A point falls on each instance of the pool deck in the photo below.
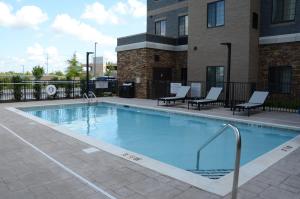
(39, 162)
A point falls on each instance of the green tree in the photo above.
(17, 87)
(38, 73)
(110, 67)
(58, 73)
(74, 69)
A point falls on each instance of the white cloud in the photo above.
(115, 14)
(110, 56)
(37, 55)
(64, 24)
(98, 12)
(26, 17)
(137, 8)
(120, 8)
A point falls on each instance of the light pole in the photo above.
(87, 71)
(229, 45)
(95, 58)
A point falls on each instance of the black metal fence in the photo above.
(36, 90)
(281, 98)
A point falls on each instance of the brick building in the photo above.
(183, 43)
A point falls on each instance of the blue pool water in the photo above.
(170, 138)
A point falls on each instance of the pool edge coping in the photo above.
(220, 187)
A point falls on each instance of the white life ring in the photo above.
(51, 90)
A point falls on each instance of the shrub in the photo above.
(17, 87)
(38, 73)
(68, 87)
(37, 91)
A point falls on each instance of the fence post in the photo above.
(24, 91)
(73, 88)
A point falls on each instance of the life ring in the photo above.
(51, 90)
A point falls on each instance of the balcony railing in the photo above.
(145, 37)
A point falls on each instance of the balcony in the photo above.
(152, 41)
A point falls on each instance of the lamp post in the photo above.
(229, 45)
(95, 58)
(87, 71)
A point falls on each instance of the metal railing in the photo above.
(285, 98)
(237, 155)
(37, 90)
(90, 96)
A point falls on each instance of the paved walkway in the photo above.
(27, 173)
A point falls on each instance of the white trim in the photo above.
(280, 39)
(147, 44)
(67, 169)
(220, 187)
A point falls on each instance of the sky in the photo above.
(32, 29)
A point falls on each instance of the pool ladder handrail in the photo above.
(89, 99)
(237, 155)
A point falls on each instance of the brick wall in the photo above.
(139, 63)
(286, 54)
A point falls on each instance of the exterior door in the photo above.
(161, 82)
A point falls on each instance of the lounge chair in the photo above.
(180, 96)
(257, 100)
(211, 97)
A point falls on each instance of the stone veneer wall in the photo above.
(285, 54)
(140, 62)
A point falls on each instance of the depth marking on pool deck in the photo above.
(84, 180)
(90, 150)
(131, 157)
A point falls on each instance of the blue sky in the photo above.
(32, 29)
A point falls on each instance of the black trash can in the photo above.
(127, 90)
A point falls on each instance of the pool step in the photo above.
(212, 173)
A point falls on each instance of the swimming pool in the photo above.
(167, 137)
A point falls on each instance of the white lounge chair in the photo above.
(180, 96)
(211, 97)
(257, 100)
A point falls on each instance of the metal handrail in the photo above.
(93, 94)
(237, 155)
(85, 96)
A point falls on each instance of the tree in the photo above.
(38, 72)
(58, 73)
(110, 67)
(17, 87)
(74, 69)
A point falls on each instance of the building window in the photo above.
(215, 76)
(183, 25)
(160, 27)
(280, 79)
(255, 20)
(215, 14)
(283, 11)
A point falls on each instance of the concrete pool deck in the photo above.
(25, 172)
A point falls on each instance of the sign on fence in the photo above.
(101, 84)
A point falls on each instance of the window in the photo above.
(215, 76)
(183, 23)
(254, 20)
(280, 79)
(283, 11)
(160, 27)
(216, 14)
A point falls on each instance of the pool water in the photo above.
(170, 138)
